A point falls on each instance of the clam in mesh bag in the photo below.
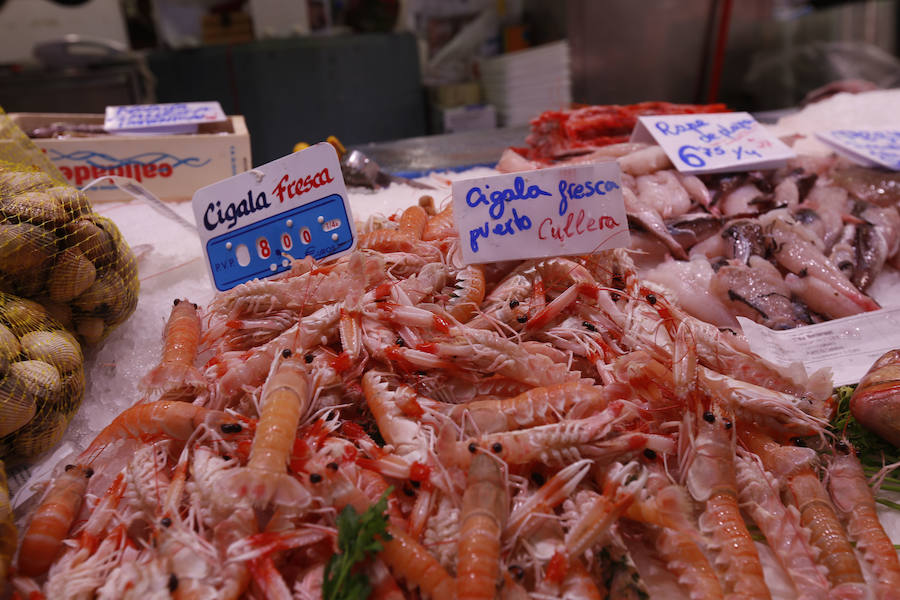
(66, 277)
(42, 378)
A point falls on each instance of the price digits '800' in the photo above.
(264, 248)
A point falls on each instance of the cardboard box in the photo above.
(171, 166)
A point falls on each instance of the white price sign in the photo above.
(713, 143)
(547, 212)
(173, 118)
(869, 147)
(252, 225)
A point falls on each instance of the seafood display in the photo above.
(783, 247)
(552, 428)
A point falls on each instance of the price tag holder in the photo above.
(713, 143)
(159, 119)
(546, 212)
(252, 224)
(868, 147)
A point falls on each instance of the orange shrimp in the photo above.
(684, 557)
(484, 512)
(558, 443)
(853, 498)
(285, 399)
(175, 374)
(525, 516)
(413, 222)
(441, 225)
(52, 520)
(384, 586)
(578, 583)
(666, 511)
(599, 512)
(468, 292)
(398, 411)
(537, 406)
(759, 496)
(393, 240)
(409, 561)
(711, 478)
(240, 524)
(708, 470)
(351, 335)
(162, 419)
(794, 467)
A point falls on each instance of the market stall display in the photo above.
(384, 344)
(455, 409)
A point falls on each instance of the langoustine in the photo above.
(404, 399)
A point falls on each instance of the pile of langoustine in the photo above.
(783, 247)
(550, 428)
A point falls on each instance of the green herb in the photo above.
(873, 452)
(359, 537)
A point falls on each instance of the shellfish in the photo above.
(72, 275)
(56, 347)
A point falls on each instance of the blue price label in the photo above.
(265, 248)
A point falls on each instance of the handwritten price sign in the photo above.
(177, 117)
(869, 147)
(713, 143)
(548, 212)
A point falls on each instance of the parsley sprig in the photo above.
(359, 537)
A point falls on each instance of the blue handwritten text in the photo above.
(512, 226)
(577, 191)
(499, 198)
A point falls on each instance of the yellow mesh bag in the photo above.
(55, 249)
(42, 380)
(67, 278)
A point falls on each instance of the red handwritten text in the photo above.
(576, 224)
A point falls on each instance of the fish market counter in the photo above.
(537, 340)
